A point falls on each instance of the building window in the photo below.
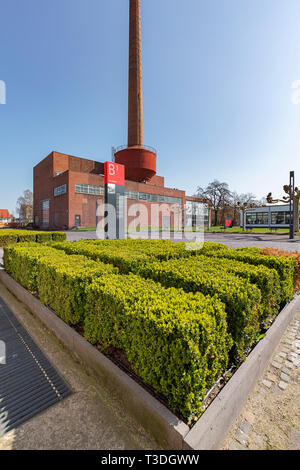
(132, 194)
(60, 190)
(89, 189)
(196, 213)
(159, 198)
(257, 218)
(280, 218)
(45, 212)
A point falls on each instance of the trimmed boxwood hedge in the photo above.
(124, 259)
(8, 237)
(177, 342)
(174, 318)
(267, 280)
(20, 262)
(59, 279)
(284, 266)
(129, 254)
(198, 274)
(160, 249)
(12, 236)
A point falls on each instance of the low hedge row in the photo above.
(284, 266)
(160, 249)
(266, 279)
(9, 236)
(242, 299)
(125, 260)
(129, 254)
(59, 279)
(177, 342)
(20, 262)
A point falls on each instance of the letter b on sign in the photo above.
(111, 169)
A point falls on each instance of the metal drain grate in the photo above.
(29, 384)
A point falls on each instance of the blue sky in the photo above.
(217, 83)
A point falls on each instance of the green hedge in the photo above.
(160, 249)
(12, 236)
(7, 237)
(58, 236)
(20, 262)
(129, 254)
(266, 279)
(25, 236)
(125, 259)
(177, 342)
(200, 274)
(59, 279)
(284, 266)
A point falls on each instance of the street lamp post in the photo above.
(292, 201)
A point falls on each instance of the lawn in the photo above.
(220, 229)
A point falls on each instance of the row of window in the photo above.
(278, 218)
(262, 218)
(158, 198)
(89, 189)
(259, 218)
(194, 208)
(99, 191)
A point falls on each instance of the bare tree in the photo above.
(24, 207)
(218, 194)
(238, 201)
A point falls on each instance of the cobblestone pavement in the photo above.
(270, 418)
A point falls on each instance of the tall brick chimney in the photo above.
(135, 88)
(139, 161)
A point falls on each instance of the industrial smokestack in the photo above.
(135, 92)
(139, 161)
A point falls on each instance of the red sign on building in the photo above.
(114, 173)
(228, 223)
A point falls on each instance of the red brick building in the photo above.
(5, 216)
(67, 191)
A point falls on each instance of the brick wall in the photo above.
(64, 208)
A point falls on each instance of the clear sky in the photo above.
(217, 83)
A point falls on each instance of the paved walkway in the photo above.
(230, 239)
(270, 418)
(89, 419)
(261, 240)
